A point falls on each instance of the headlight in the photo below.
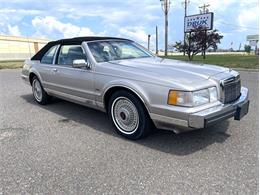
(191, 99)
(200, 97)
(213, 95)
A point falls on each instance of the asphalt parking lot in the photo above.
(64, 148)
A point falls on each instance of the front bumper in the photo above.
(207, 117)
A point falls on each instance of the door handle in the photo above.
(54, 70)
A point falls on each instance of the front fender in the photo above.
(130, 85)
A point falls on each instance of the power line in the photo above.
(234, 25)
(244, 27)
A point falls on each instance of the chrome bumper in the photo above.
(211, 116)
(25, 79)
(207, 117)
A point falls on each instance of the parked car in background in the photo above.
(136, 88)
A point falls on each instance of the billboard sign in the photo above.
(253, 43)
(200, 20)
(252, 37)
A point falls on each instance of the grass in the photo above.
(11, 64)
(232, 61)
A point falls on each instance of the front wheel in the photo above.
(129, 115)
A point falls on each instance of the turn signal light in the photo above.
(172, 98)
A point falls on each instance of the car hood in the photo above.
(172, 70)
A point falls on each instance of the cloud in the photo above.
(137, 33)
(20, 12)
(249, 18)
(47, 26)
(250, 3)
(134, 19)
(13, 30)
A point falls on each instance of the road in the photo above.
(64, 148)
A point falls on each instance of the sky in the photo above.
(134, 19)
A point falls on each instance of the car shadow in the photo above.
(162, 140)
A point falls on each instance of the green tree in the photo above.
(247, 49)
(198, 41)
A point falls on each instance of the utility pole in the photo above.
(203, 10)
(149, 36)
(156, 43)
(165, 7)
(185, 3)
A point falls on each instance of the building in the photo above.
(19, 48)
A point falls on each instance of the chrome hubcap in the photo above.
(37, 90)
(125, 115)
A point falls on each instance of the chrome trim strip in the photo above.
(169, 120)
(69, 67)
(25, 79)
(82, 101)
(225, 115)
(55, 54)
(68, 88)
(65, 95)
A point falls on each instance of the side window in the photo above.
(68, 53)
(49, 55)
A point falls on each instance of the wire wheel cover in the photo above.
(125, 115)
(37, 90)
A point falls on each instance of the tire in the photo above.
(128, 115)
(39, 93)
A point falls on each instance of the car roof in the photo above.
(71, 41)
(82, 39)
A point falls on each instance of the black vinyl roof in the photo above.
(79, 40)
(71, 41)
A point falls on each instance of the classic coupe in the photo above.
(136, 88)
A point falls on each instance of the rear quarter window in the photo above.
(49, 55)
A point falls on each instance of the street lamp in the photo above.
(149, 36)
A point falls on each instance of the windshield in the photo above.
(104, 51)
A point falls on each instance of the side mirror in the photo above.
(80, 63)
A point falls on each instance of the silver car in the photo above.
(136, 88)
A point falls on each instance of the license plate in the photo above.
(242, 110)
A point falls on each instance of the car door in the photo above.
(69, 82)
(45, 67)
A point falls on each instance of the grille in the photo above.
(231, 90)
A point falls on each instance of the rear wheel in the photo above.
(129, 115)
(39, 93)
